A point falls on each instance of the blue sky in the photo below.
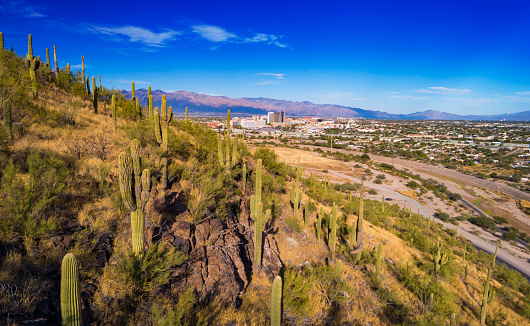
(465, 57)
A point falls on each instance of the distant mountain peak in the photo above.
(214, 104)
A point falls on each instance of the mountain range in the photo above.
(202, 104)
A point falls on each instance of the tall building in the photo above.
(275, 119)
(281, 117)
(270, 117)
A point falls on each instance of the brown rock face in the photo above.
(220, 255)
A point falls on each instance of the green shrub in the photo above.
(442, 216)
(26, 199)
(412, 184)
(500, 219)
(509, 236)
(483, 222)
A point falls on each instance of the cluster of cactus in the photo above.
(489, 294)
(70, 299)
(135, 193)
(357, 232)
(276, 302)
(439, 259)
(296, 193)
(33, 65)
(333, 231)
(162, 120)
(378, 262)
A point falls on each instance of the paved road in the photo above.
(521, 265)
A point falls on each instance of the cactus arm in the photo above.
(125, 179)
(114, 111)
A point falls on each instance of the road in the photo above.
(503, 256)
(443, 172)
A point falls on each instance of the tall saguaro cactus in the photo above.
(260, 220)
(83, 69)
(114, 109)
(378, 262)
(186, 115)
(162, 120)
(244, 177)
(489, 294)
(133, 91)
(94, 95)
(338, 270)
(220, 154)
(439, 259)
(358, 230)
(319, 223)
(333, 235)
(48, 63)
(296, 193)
(135, 193)
(276, 302)
(70, 299)
(1, 41)
(55, 59)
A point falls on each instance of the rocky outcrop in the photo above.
(220, 254)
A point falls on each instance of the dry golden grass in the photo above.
(309, 159)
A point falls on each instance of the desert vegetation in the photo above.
(119, 214)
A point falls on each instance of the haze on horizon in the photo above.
(463, 57)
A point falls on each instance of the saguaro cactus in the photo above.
(138, 108)
(34, 64)
(135, 193)
(357, 233)
(452, 320)
(68, 70)
(114, 109)
(319, 223)
(83, 69)
(244, 177)
(70, 299)
(227, 150)
(465, 262)
(220, 154)
(333, 235)
(378, 262)
(48, 63)
(55, 59)
(276, 302)
(260, 220)
(162, 120)
(30, 48)
(1, 41)
(338, 270)
(94, 95)
(296, 193)
(186, 114)
(133, 93)
(100, 88)
(234, 151)
(439, 259)
(489, 294)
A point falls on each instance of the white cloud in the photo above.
(139, 34)
(22, 8)
(474, 102)
(269, 81)
(218, 35)
(523, 93)
(278, 76)
(265, 38)
(213, 33)
(79, 66)
(444, 90)
(408, 97)
(340, 96)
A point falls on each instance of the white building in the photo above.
(270, 117)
